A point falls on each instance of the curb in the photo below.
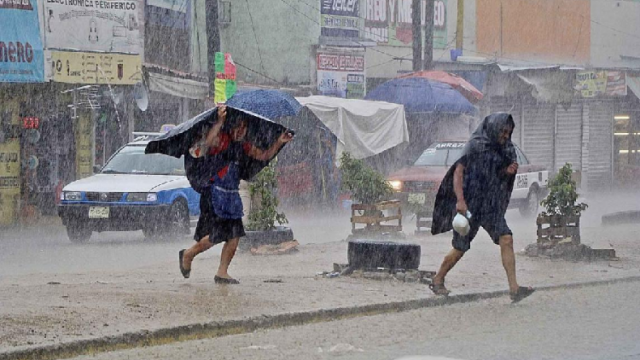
(234, 327)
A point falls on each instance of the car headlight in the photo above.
(396, 185)
(142, 197)
(72, 195)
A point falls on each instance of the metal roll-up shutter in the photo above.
(501, 104)
(538, 134)
(600, 144)
(568, 147)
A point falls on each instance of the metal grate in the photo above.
(104, 197)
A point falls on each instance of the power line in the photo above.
(255, 36)
(257, 72)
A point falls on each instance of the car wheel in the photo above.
(530, 207)
(78, 234)
(370, 254)
(176, 223)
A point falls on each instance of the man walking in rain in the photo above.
(480, 183)
(218, 180)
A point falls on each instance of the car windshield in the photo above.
(133, 160)
(440, 154)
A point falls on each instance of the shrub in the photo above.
(562, 195)
(366, 185)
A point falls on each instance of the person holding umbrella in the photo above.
(219, 155)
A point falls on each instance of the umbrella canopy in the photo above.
(271, 104)
(261, 132)
(463, 86)
(420, 95)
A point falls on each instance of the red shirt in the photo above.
(224, 141)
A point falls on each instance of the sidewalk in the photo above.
(37, 311)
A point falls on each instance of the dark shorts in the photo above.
(495, 228)
(218, 229)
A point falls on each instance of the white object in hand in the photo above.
(461, 223)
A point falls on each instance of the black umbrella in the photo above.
(261, 132)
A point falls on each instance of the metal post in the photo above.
(417, 35)
(460, 25)
(213, 40)
(428, 35)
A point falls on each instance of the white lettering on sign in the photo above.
(376, 10)
(439, 14)
(344, 5)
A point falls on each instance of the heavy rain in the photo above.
(317, 179)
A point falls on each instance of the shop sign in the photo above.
(601, 83)
(112, 26)
(341, 75)
(9, 163)
(30, 122)
(93, 68)
(340, 18)
(21, 58)
(84, 163)
(389, 22)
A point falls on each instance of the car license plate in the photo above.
(98, 212)
(417, 198)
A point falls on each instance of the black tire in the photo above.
(532, 204)
(371, 254)
(78, 234)
(177, 224)
(269, 237)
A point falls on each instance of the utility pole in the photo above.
(213, 40)
(460, 26)
(428, 35)
(417, 35)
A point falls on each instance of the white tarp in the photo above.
(175, 86)
(364, 128)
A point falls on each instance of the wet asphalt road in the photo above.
(589, 323)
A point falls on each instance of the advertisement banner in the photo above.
(10, 129)
(601, 83)
(225, 82)
(340, 18)
(389, 22)
(21, 55)
(113, 26)
(93, 68)
(341, 75)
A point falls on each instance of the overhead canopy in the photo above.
(364, 128)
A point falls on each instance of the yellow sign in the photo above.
(84, 165)
(9, 165)
(93, 68)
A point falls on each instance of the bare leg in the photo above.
(228, 251)
(201, 246)
(509, 261)
(449, 262)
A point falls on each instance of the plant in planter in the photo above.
(562, 211)
(372, 192)
(263, 213)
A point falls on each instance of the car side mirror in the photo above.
(97, 169)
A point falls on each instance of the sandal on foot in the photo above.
(522, 293)
(185, 272)
(220, 280)
(439, 289)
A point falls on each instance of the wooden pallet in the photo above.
(373, 217)
(554, 229)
